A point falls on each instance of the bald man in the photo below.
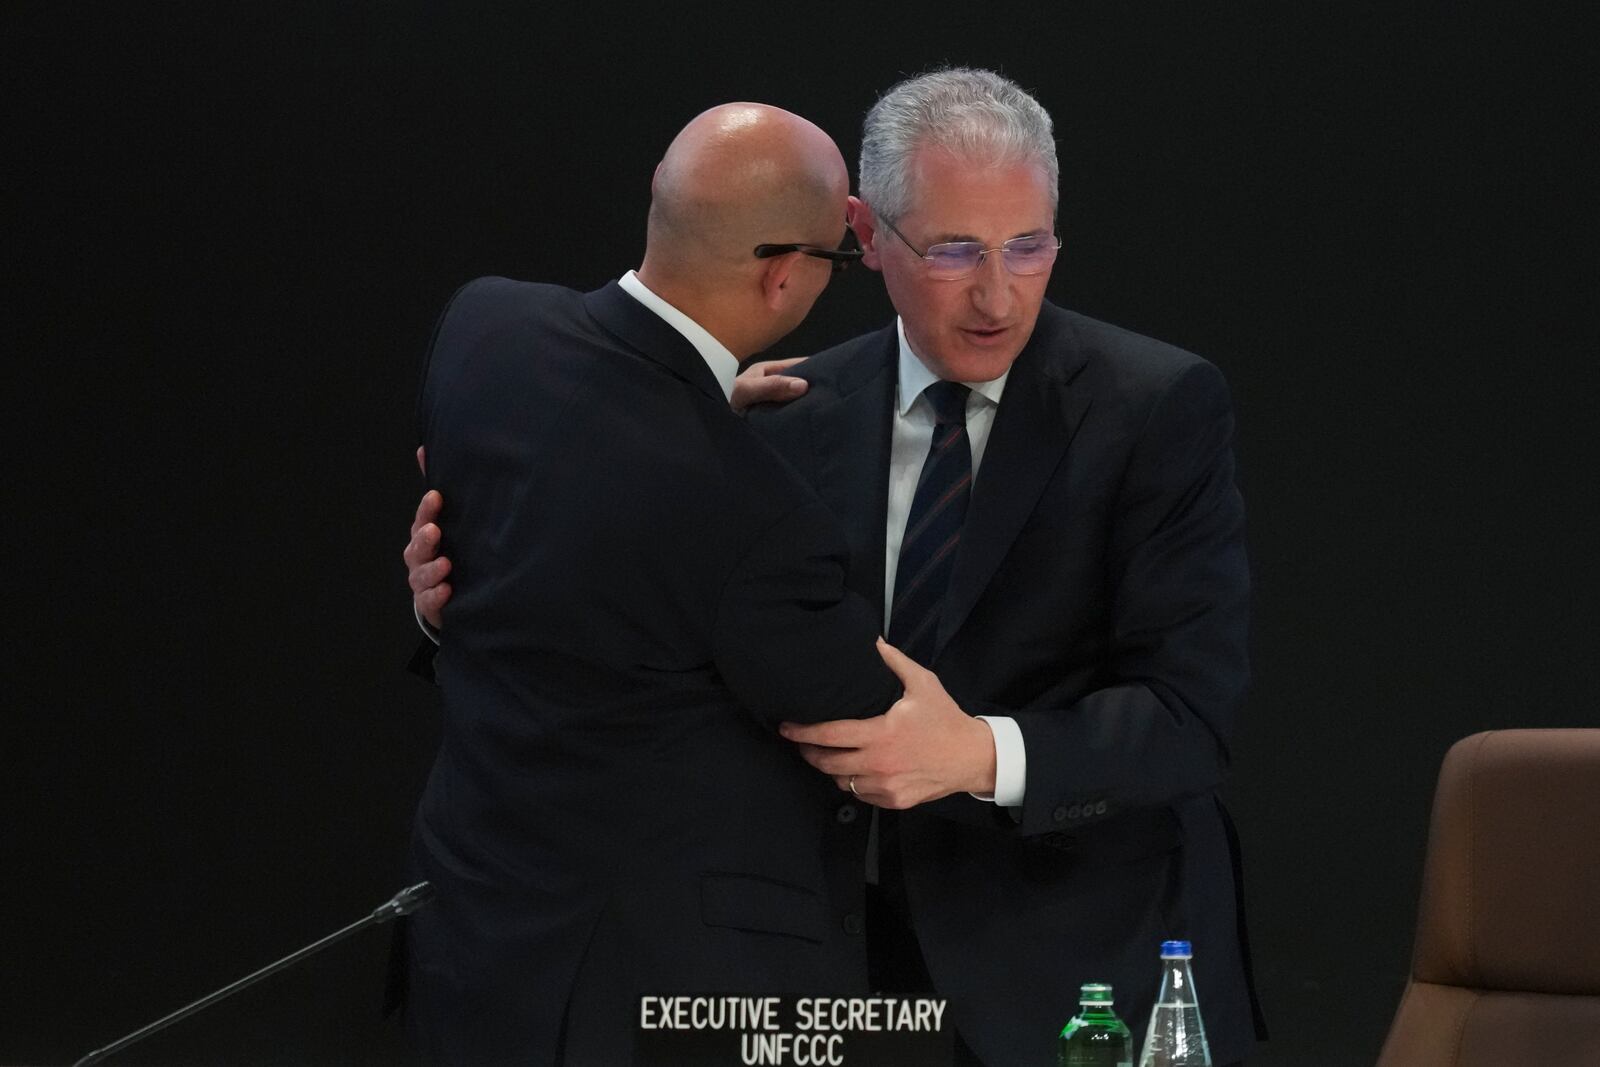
(642, 590)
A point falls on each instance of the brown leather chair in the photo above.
(1506, 965)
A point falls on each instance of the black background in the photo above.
(231, 228)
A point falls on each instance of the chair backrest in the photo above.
(1506, 965)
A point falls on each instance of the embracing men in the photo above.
(1039, 508)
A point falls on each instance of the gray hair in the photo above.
(976, 114)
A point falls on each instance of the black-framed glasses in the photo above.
(954, 260)
(839, 257)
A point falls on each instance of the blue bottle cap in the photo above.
(1176, 950)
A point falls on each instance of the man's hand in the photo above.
(765, 383)
(921, 749)
(426, 569)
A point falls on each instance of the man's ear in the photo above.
(860, 219)
(775, 279)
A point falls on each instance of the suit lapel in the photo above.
(852, 438)
(1038, 415)
(650, 335)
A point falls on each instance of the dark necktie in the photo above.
(933, 526)
(927, 556)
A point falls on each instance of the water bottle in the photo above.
(1095, 1037)
(1176, 1036)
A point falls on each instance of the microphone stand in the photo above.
(403, 903)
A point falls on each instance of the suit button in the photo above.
(852, 923)
(1060, 814)
(1100, 808)
(846, 814)
(1074, 812)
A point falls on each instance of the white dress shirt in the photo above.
(912, 436)
(714, 352)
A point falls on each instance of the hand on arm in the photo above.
(426, 570)
(765, 383)
(923, 748)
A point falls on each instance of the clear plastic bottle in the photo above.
(1095, 1037)
(1176, 1036)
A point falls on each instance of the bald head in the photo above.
(737, 176)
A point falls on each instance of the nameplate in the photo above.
(715, 1030)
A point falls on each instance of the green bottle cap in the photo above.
(1095, 993)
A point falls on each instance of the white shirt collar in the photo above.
(722, 362)
(915, 377)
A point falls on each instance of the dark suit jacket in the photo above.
(1099, 599)
(642, 591)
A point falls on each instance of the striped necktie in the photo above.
(933, 527)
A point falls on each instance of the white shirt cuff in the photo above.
(1010, 762)
(433, 635)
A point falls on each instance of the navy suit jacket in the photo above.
(1100, 599)
(642, 591)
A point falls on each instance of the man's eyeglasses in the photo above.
(958, 259)
(839, 257)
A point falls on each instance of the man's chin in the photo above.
(980, 362)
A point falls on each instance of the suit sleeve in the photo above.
(427, 649)
(790, 642)
(1158, 727)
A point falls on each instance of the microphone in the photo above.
(403, 903)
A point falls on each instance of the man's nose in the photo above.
(992, 293)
